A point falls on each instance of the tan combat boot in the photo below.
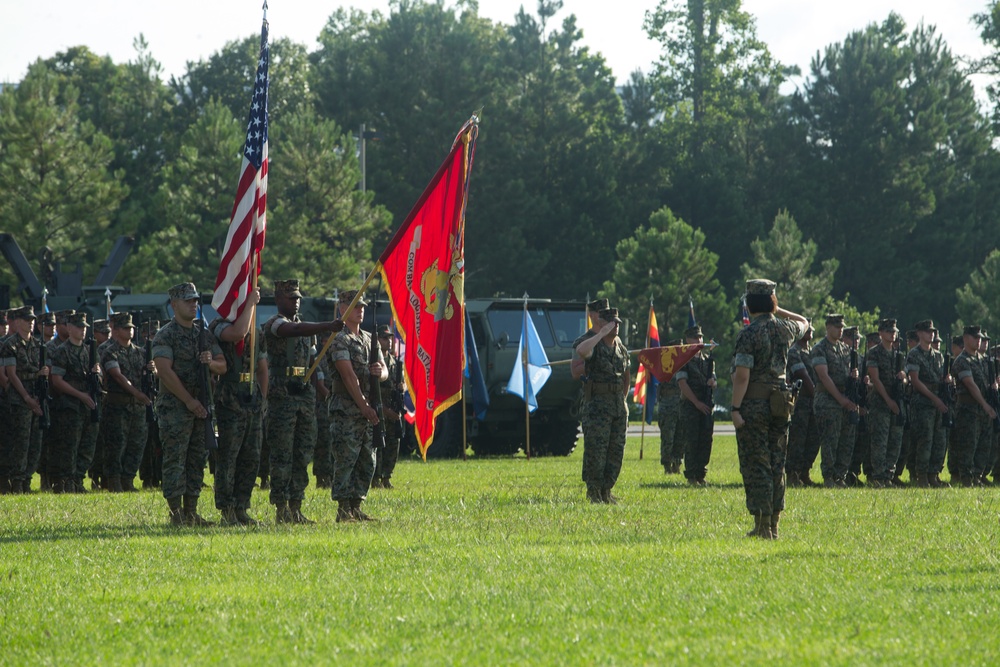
(229, 517)
(594, 495)
(774, 525)
(344, 514)
(176, 513)
(608, 498)
(282, 514)
(358, 514)
(191, 516)
(244, 518)
(295, 508)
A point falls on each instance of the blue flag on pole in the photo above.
(480, 396)
(529, 350)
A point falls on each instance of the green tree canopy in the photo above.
(978, 300)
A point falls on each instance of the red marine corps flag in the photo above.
(664, 362)
(423, 270)
(241, 255)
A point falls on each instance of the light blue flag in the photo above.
(538, 370)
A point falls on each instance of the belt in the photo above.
(821, 388)
(27, 377)
(599, 388)
(967, 399)
(340, 389)
(670, 391)
(294, 371)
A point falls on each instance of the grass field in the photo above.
(501, 561)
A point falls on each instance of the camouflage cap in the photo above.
(22, 313)
(675, 341)
(121, 320)
(149, 328)
(887, 324)
(101, 326)
(77, 319)
(183, 291)
(598, 305)
(984, 335)
(610, 315)
(761, 286)
(3, 317)
(346, 296)
(957, 340)
(872, 336)
(288, 287)
(62, 316)
(693, 332)
(924, 325)
(835, 318)
(48, 319)
(911, 335)
(973, 330)
(851, 332)
(383, 331)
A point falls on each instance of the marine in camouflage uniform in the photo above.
(181, 350)
(102, 336)
(925, 367)
(239, 404)
(803, 438)
(123, 421)
(46, 441)
(385, 458)
(696, 382)
(291, 416)
(151, 468)
(970, 439)
(604, 414)
(351, 415)
(762, 403)
(885, 432)
(75, 431)
(831, 360)
(20, 356)
(668, 412)
(322, 453)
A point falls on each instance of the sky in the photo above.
(189, 30)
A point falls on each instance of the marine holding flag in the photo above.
(605, 371)
(762, 403)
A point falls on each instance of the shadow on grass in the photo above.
(683, 486)
(118, 531)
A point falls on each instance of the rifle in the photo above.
(149, 387)
(863, 390)
(709, 391)
(375, 391)
(992, 393)
(396, 398)
(946, 392)
(94, 383)
(204, 379)
(851, 386)
(898, 394)
(42, 390)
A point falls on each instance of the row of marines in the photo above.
(901, 404)
(188, 374)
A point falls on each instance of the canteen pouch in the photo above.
(296, 386)
(781, 403)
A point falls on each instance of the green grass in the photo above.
(501, 561)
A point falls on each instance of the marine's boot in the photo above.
(607, 497)
(922, 481)
(762, 527)
(967, 481)
(344, 514)
(244, 518)
(295, 508)
(774, 525)
(228, 517)
(115, 485)
(191, 516)
(594, 494)
(4, 486)
(264, 483)
(376, 482)
(805, 479)
(322, 482)
(358, 514)
(282, 513)
(937, 483)
(675, 466)
(792, 479)
(176, 513)
(128, 486)
(386, 484)
(17, 486)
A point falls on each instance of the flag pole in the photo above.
(524, 375)
(253, 313)
(350, 307)
(645, 376)
(465, 429)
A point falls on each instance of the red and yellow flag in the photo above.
(423, 270)
(642, 381)
(664, 362)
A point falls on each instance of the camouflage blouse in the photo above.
(762, 346)
(355, 348)
(24, 356)
(929, 366)
(230, 386)
(974, 366)
(129, 361)
(285, 354)
(182, 346)
(608, 363)
(885, 361)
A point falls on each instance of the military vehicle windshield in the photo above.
(556, 326)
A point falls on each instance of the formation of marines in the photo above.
(81, 399)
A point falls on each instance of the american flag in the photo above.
(247, 225)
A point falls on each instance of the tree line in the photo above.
(869, 186)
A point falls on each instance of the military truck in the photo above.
(496, 328)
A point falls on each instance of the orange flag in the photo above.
(423, 269)
(664, 362)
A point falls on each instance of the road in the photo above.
(653, 431)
